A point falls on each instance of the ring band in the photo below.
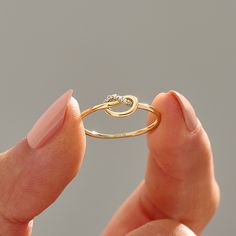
(132, 102)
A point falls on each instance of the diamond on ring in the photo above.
(116, 97)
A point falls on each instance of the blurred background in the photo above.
(128, 47)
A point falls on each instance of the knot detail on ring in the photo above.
(115, 99)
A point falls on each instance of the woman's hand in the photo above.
(179, 192)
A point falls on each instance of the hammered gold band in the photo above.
(132, 102)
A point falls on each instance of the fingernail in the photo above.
(189, 114)
(50, 122)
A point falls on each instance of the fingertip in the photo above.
(172, 124)
(178, 118)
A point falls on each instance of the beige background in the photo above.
(129, 47)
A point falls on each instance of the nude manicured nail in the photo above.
(50, 122)
(190, 117)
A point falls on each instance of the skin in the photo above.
(178, 196)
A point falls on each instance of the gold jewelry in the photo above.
(130, 101)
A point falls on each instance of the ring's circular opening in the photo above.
(136, 132)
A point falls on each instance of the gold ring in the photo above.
(133, 104)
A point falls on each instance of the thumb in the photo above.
(162, 228)
(35, 172)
